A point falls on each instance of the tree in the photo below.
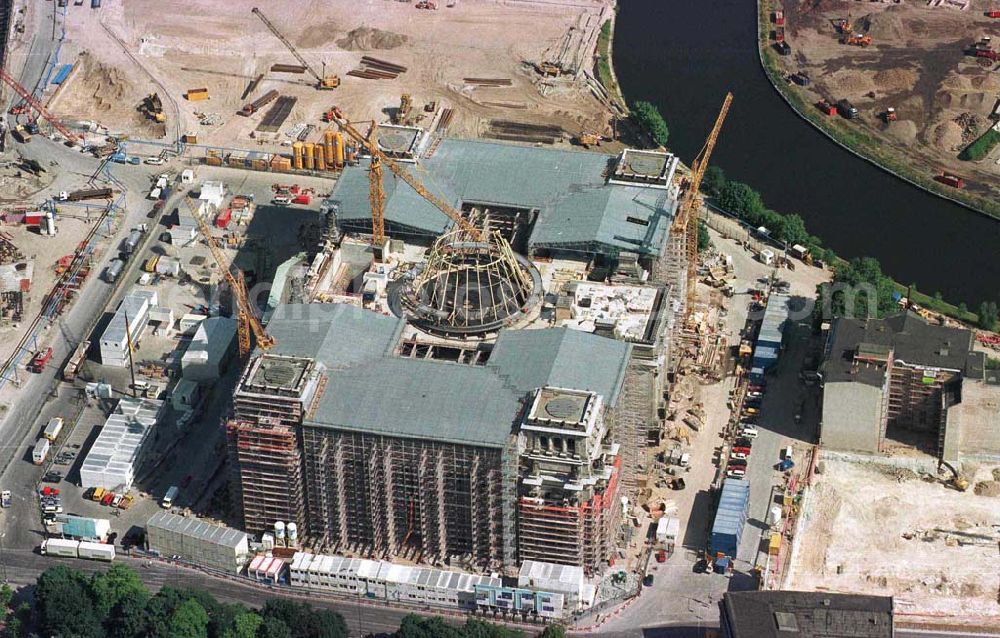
(64, 605)
(713, 181)
(414, 626)
(704, 239)
(6, 596)
(988, 315)
(109, 588)
(794, 231)
(189, 620)
(475, 628)
(274, 628)
(127, 618)
(740, 199)
(245, 625)
(553, 631)
(648, 117)
(859, 280)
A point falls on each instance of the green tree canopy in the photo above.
(553, 631)
(64, 604)
(648, 117)
(740, 199)
(189, 620)
(713, 181)
(988, 315)
(111, 587)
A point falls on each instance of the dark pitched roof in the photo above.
(793, 614)
(911, 339)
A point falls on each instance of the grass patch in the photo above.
(981, 147)
(604, 74)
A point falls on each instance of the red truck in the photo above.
(304, 198)
(40, 360)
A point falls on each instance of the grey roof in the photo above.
(422, 399)
(773, 614)
(563, 358)
(912, 340)
(568, 188)
(338, 335)
(197, 529)
(369, 389)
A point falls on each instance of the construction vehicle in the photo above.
(21, 134)
(587, 140)
(548, 69)
(956, 480)
(34, 104)
(323, 82)
(247, 316)
(888, 115)
(844, 25)
(426, 4)
(40, 360)
(993, 13)
(328, 115)
(857, 39)
(152, 106)
(405, 106)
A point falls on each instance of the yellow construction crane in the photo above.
(322, 81)
(247, 320)
(687, 218)
(375, 152)
(376, 195)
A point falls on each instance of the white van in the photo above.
(168, 498)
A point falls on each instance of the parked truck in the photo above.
(40, 360)
(77, 549)
(87, 193)
(40, 451)
(730, 518)
(113, 270)
(53, 428)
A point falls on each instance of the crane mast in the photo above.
(246, 316)
(687, 219)
(376, 194)
(37, 106)
(322, 81)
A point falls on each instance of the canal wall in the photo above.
(763, 39)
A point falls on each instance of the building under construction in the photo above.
(489, 454)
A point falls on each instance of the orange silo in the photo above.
(309, 162)
(338, 149)
(297, 155)
(328, 147)
(320, 159)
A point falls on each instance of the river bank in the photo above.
(852, 140)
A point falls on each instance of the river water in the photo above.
(683, 55)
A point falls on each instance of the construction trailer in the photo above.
(198, 541)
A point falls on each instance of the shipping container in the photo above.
(196, 95)
(223, 218)
(60, 547)
(96, 551)
(730, 518)
(40, 451)
(53, 428)
(95, 4)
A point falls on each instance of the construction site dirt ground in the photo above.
(872, 529)
(220, 45)
(915, 64)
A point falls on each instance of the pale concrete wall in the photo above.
(851, 417)
(975, 422)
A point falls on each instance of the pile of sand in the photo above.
(851, 82)
(903, 131)
(891, 80)
(987, 488)
(947, 136)
(886, 25)
(368, 39)
(106, 86)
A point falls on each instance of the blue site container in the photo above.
(95, 4)
(722, 565)
(61, 74)
(730, 517)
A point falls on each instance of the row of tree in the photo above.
(742, 200)
(116, 604)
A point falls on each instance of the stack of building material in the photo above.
(375, 69)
